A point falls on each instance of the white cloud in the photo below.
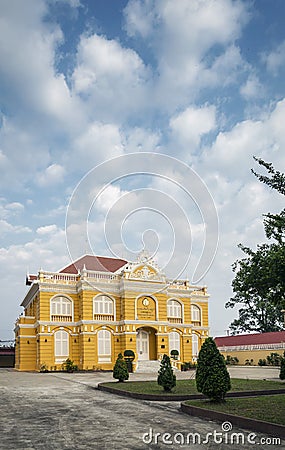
(109, 196)
(275, 60)
(139, 139)
(53, 175)
(6, 227)
(252, 88)
(97, 142)
(109, 76)
(47, 229)
(181, 38)
(189, 126)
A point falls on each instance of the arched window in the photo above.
(195, 346)
(195, 313)
(103, 308)
(61, 345)
(104, 346)
(174, 341)
(174, 311)
(61, 309)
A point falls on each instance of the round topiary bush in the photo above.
(174, 354)
(129, 354)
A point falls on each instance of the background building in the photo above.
(98, 307)
(250, 348)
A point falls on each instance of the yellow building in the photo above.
(98, 307)
(250, 348)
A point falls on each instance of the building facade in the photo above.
(250, 348)
(98, 307)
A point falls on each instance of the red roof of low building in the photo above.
(94, 263)
(273, 337)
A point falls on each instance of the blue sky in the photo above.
(82, 82)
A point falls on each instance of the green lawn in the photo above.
(186, 387)
(269, 408)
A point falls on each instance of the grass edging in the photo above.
(178, 397)
(240, 421)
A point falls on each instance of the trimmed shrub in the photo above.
(262, 362)
(274, 359)
(166, 377)
(231, 360)
(120, 371)
(212, 377)
(129, 354)
(174, 354)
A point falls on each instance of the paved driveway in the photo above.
(63, 411)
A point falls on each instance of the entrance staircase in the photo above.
(148, 366)
(151, 366)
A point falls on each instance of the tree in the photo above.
(166, 377)
(258, 288)
(274, 224)
(120, 371)
(259, 283)
(212, 377)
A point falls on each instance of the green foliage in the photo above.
(166, 377)
(120, 371)
(129, 354)
(69, 366)
(273, 359)
(231, 360)
(248, 362)
(44, 367)
(282, 368)
(212, 377)
(174, 354)
(259, 283)
(262, 362)
(187, 366)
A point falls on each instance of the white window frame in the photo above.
(195, 345)
(174, 341)
(104, 304)
(61, 346)
(174, 308)
(196, 313)
(61, 305)
(104, 346)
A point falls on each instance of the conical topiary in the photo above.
(212, 377)
(120, 371)
(166, 377)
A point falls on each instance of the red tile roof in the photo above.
(95, 263)
(251, 339)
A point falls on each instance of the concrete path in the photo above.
(62, 411)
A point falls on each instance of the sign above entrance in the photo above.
(146, 308)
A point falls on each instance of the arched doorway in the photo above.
(143, 345)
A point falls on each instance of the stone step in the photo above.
(149, 366)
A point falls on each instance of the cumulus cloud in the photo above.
(110, 77)
(181, 39)
(190, 125)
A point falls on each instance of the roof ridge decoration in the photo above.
(145, 268)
